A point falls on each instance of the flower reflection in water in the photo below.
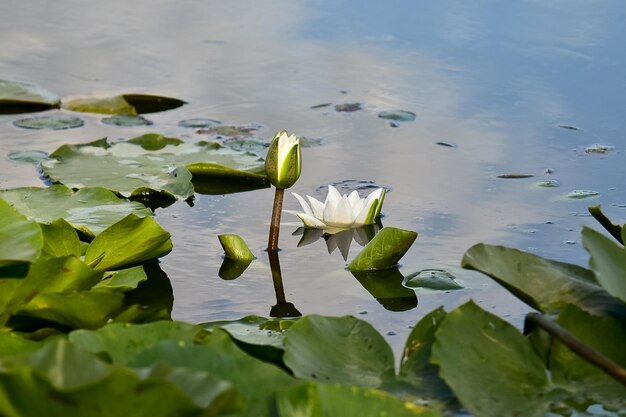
(342, 240)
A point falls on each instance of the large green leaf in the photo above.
(122, 342)
(338, 349)
(490, 365)
(124, 104)
(61, 380)
(384, 250)
(21, 239)
(135, 168)
(130, 241)
(608, 261)
(604, 334)
(331, 400)
(20, 97)
(89, 210)
(256, 381)
(415, 366)
(59, 240)
(542, 283)
(123, 280)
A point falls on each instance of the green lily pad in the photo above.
(415, 365)
(62, 380)
(604, 334)
(28, 157)
(608, 262)
(199, 123)
(218, 179)
(90, 210)
(130, 241)
(491, 367)
(434, 279)
(20, 97)
(235, 247)
(123, 280)
(54, 122)
(330, 400)
(397, 115)
(123, 104)
(152, 165)
(248, 144)
(60, 239)
(543, 284)
(386, 287)
(338, 349)
(21, 239)
(384, 250)
(126, 121)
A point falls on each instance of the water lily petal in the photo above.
(316, 206)
(305, 206)
(310, 221)
(339, 215)
(354, 198)
(367, 214)
(381, 198)
(333, 195)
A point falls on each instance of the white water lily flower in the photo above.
(283, 162)
(340, 212)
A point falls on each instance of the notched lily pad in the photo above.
(199, 123)
(54, 122)
(126, 121)
(433, 279)
(20, 97)
(397, 115)
(28, 157)
(153, 165)
(348, 107)
(123, 104)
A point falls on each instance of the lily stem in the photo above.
(272, 244)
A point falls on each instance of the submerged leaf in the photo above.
(20, 97)
(21, 239)
(384, 250)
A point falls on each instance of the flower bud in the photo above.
(283, 162)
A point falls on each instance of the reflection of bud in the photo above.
(283, 162)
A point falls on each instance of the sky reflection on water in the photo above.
(495, 78)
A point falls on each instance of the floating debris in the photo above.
(619, 205)
(319, 106)
(447, 144)
(348, 107)
(199, 123)
(397, 115)
(434, 279)
(580, 194)
(55, 122)
(547, 184)
(393, 123)
(599, 149)
(569, 242)
(515, 176)
(126, 121)
(548, 171)
(569, 127)
(28, 157)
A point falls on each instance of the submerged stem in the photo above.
(272, 244)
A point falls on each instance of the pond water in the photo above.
(517, 87)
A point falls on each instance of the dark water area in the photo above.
(516, 87)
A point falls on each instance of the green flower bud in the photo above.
(283, 163)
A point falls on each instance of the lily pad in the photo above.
(547, 184)
(543, 284)
(54, 122)
(434, 279)
(599, 149)
(123, 104)
(608, 262)
(330, 400)
(490, 365)
(153, 165)
(21, 239)
(384, 250)
(130, 241)
(235, 247)
(397, 115)
(581, 194)
(90, 210)
(21, 97)
(338, 349)
(28, 157)
(247, 144)
(199, 123)
(348, 107)
(60, 239)
(123, 280)
(230, 131)
(126, 121)
(515, 176)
